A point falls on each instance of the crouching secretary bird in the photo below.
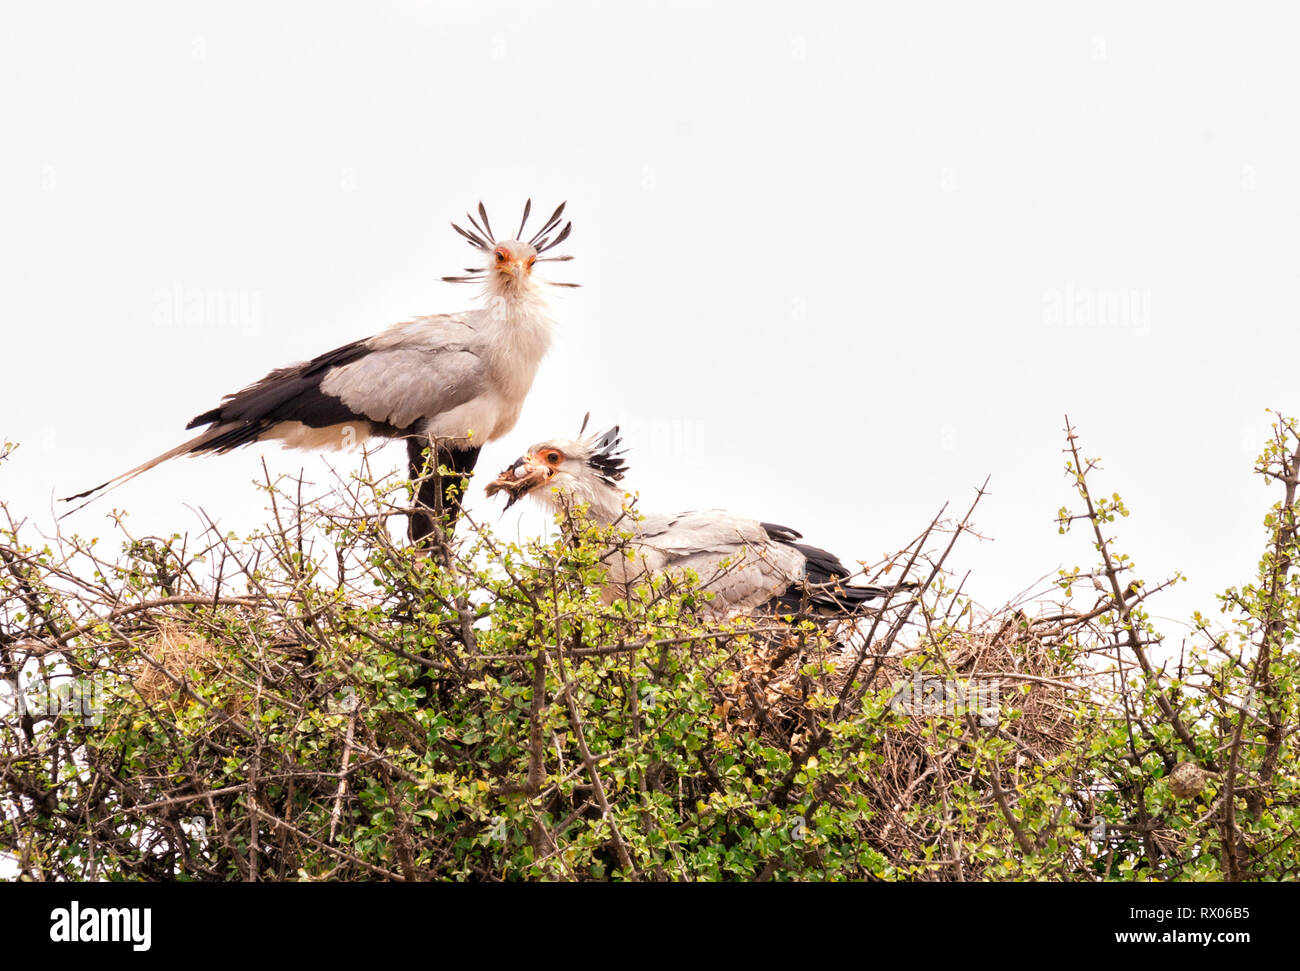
(447, 383)
(746, 564)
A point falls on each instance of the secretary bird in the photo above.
(748, 565)
(447, 383)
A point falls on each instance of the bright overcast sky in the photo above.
(838, 265)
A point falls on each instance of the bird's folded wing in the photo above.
(425, 357)
(402, 385)
(741, 578)
(732, 556)
(700, 530)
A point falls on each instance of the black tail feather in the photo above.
(286, 394)
(824, 586)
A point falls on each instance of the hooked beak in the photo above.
(519, 480)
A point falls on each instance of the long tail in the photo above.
(834, 596)
(195, 444)
(849, 598)
(825, 586)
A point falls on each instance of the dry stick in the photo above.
(337, 811)
(536, 743)
(59, 569)
(580, 735)
(823, 736)
(995, 775)
(907, 610)
(1275, 629)
(193, 600)
(1134, 642)
(31, 598)
(1149, 846)
(945, 785)
(542, 842)
(1105, 606)
(598, 788)
(897, 808)
(351, 858)
(280, 544)
(650, 642)
(183, 685)
(254, 846)
(555, 851)
(782, 787)
(634, 747)
(239, 726)
(401, 824)
(1231, 863)
(401, 652)
(261, 689)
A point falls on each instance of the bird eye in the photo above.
(553, 458)
(501, 256)
(532, 260)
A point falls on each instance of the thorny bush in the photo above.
(317, 701)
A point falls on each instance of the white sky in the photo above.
(836, 263)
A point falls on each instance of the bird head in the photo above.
(561, 469)
(513, 259)
(510, 262)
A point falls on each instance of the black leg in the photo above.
(431, 493)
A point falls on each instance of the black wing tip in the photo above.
(830, 595)
(779, 532)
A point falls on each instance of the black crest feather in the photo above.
(483, 239)
(607, 456)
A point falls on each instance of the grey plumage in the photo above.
(415, 371)
(450, 381)
(746, 564)
(734, 557)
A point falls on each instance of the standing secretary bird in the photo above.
(747, 565)
(447, 383)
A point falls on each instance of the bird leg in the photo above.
(437, 496)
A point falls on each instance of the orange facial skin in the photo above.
(513, 261)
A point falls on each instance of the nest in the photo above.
(1003, 680)
(173, 658)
